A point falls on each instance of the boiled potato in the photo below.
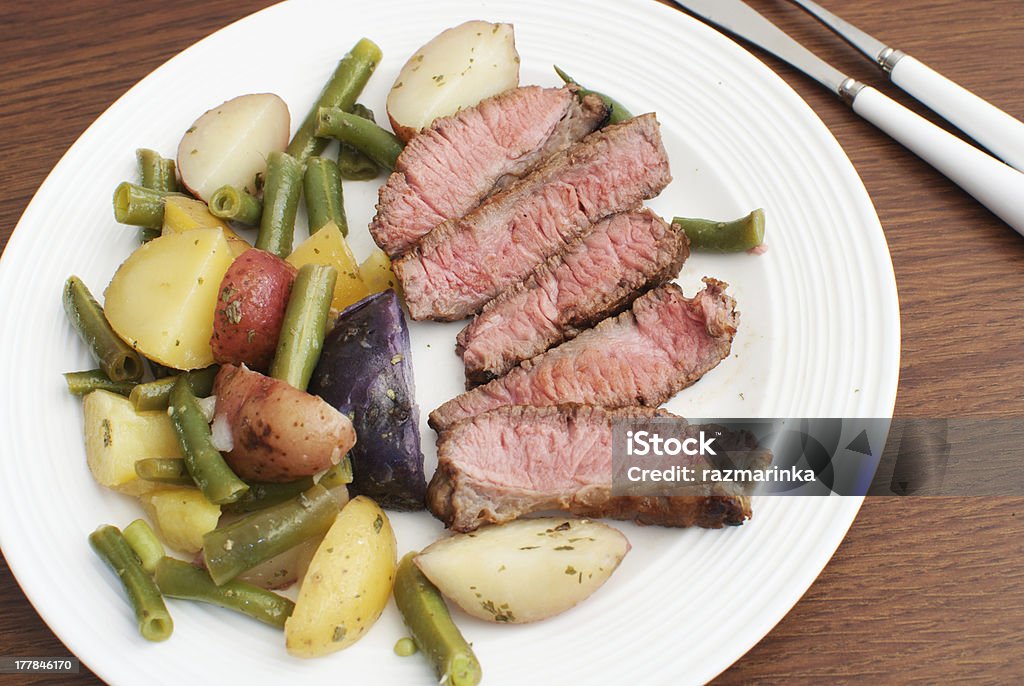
(495, 572)
(228, 145)
(457, 69)
(181, 517)
(278, 433)
(161, 299)
(328, 246)
(348, 583)
(116, 437)
(376, 272)
(250, 309)
(183, 214)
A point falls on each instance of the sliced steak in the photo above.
(463, 263)
(511, 461)
(598, 275)
(644, 356)
(449, 168)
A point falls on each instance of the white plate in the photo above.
(819, 337)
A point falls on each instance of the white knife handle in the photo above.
(979, 119)
(996, 186)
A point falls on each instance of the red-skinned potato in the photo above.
(278, 432)
(250, 309)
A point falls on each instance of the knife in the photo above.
(981, 120)
(995, 185)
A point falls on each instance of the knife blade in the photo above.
(990, 126)
(995, 185)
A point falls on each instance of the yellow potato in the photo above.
(328, 246)
(161, 299)
(181, 517)
(116, 436)
(183, 214)
(348, 583)
(376, 272)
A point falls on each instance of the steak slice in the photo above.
(512, 461)
(597, 276)
(463, 263)
(446, 170)
(644, 356)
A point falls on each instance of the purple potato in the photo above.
(365, 371)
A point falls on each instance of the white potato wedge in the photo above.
(228, 145)
(495, 572)
(116, 437)
(348, 582)
(457, 69)
(161, 299)
(181, 517)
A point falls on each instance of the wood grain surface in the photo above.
(925, 590)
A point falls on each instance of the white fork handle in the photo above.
(978, 118)
(996, 186)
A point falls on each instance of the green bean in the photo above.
(710, 236)
(146, 235)
(206, 465)
(144, 542)
(153, 395)
(164, 470)
(118, 360)
(352, 164)
(178, 579)
(405, 646)
(155, 622)
(263, 495)
(432, 628)
(344, 86)
(159, 371)
(325, 201)
(139, 206)
(617, 114)
(234, 204)
(232, 549)
(168, 176)
(156, 172)
(304, 325)
(381, 146)
(338, 475)
(280, 204)
(82, 383)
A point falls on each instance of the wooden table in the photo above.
(922, 589)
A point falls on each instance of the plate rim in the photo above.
(18, 564)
